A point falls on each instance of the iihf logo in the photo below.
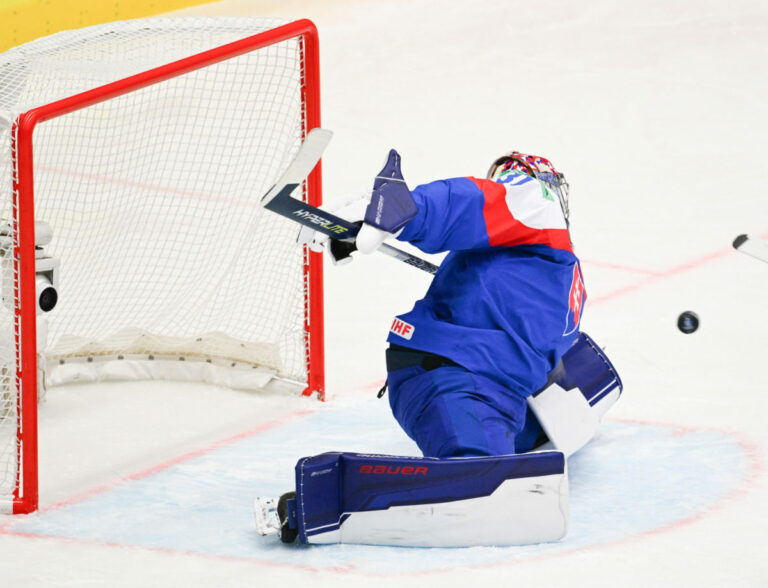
(576, 299)
(401, 328)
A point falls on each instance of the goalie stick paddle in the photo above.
(756, 248)
(278, 199)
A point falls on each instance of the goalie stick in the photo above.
(756, 248)
(278, 199)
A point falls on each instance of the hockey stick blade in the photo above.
(756, 248)
(278, 199)
(305, 160)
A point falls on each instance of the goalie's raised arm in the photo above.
(382, 213)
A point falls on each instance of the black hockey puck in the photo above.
(688, 322)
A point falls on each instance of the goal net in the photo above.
(146, 146)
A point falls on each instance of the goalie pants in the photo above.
(451, 412)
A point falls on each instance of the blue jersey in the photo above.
(506, 302)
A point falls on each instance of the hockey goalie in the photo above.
(489, 373)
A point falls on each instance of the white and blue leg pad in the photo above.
(430, 502)
(581, 389)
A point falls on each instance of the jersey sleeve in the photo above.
(462, 214)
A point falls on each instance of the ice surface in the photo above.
(656, 111)
(203, 504)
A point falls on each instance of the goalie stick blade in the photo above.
(309, 153)
(310, 216)
(279, 200)
(756, 248)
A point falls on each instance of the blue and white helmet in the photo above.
(535, 166)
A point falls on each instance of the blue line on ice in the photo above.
(632, 479)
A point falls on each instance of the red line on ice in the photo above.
(656, 276)
(171, 462)
(174, 552)
(754, 471)
(617, 266)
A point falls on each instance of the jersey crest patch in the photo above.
(577, 297)
(401, 329)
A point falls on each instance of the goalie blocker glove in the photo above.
(391, 207)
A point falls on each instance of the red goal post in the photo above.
(229, 117)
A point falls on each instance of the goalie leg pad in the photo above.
(429, 502)
(580, 391)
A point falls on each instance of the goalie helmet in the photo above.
(513, 163)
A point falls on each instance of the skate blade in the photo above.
(265, 515)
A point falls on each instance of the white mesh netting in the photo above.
(153, 199)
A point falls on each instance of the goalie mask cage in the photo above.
(146, 146)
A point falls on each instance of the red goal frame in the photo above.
(25, 498)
